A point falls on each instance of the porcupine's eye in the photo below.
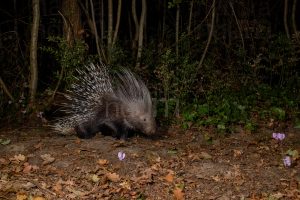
(144, 119)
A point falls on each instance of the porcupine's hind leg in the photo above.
(86, 130)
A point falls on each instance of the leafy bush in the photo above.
(69, 56)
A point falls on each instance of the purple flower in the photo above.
(278, 136)
(287, 161)
(121, 155)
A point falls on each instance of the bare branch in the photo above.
(2, 84)
(210, 34)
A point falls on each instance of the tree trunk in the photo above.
(117, 23)
(73, 28)
(100, 51)
(102, 20)
(110, 29)
(210, 34)
(190, 17)
(33, 51)
(136, 24)
(177, 29)
(294, 18)
(164, 22)
(286, 27)
(141, 34)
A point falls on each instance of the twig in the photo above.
(41, 188)
(6, 90)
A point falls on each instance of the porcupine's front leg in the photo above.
(116, 129)
(123, 132)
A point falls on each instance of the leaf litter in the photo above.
(239, 166)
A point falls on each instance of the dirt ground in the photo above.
(36, 163)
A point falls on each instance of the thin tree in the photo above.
(294, 19)
(117, 23)
(141, 34)
(190, 17)
(99, 48)
(285, 16)
(210, 34)
(110, 29)
(136, 24)
(33, 51)
(177, 28)
(73, 29)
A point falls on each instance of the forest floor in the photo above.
(36, 163)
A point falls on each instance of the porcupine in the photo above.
(99, 103)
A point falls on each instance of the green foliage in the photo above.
(222, 109)
(173, 3)
(119, 56)
(247, 91)
(176, 75)
(69, 56)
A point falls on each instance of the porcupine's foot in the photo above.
(85, 132)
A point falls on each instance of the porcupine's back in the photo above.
(96, 105)
(85, 95)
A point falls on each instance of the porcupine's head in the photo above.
(136, 100)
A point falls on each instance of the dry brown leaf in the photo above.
(205, 155)
(47, 159)
(38, 145)
(114, 177)
(103, 162)
(18, 158)
(27, 168)
(28, 185)
(178, 194)
(216, 178)
(58, 187)
(3, 161)
(38, 198)
(126, 185)
(95, 178)
(21, 197)
(170, 177)
(237, 153)
(78, 141)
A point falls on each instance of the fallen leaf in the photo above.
(18, 158)
(205, 155)
(47, 159)
(21, 197)
(4, 161)
(126, 185)
(38, 198)
(38, 145)
(237, 153)
(169, 178)
(114, 177)
(58, 187)
(4, 141)
(95, 178)
(28, 185)
(102, 162)
(27, 167)
(178, 194)
(78, 141)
